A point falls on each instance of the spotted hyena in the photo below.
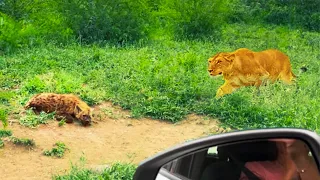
(67, 106)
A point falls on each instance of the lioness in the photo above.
(244, 67)
(68, 106)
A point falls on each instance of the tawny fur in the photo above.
(68, 106)
(244, 67)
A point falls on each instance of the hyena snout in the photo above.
(86, 120)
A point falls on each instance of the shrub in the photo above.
(5, 133)
(292, 13)
(190, 19)
(22, 141)
(32, 120)
(33, 86)
(4, 118)
(99, 20)
(5, 96)
(10, 36)
(1, 143)
(29, 23)
(200, 18)
(57, 151)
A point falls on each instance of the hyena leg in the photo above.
(226, 88)
(67, 117)
(36, 110)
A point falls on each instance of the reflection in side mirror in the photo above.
(274, 159)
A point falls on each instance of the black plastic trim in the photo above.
(149, 168)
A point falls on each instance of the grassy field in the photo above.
(150, 57)
(167, 79)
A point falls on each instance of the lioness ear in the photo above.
(250, 55)
(230, 57)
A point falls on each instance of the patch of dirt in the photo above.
(114, 138)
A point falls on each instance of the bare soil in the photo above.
(115, 137)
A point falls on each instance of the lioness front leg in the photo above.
(226, 88)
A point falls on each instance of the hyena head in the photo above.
(83, 112)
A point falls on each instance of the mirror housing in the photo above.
(149, 168)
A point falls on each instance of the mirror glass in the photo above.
(274, 159)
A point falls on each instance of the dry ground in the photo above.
(114, 138)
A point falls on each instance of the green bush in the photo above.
(292, 13)
(1, 143)
(16, 9)
(190, 19)
(5, 96)
(98, 20)
(5, 133)
(4, 118)
(30, 23)
(22, 141)
(200, 18)
(57, 151)
(33, 86)
(32, 120)
(9, 34)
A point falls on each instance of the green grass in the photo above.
(4, 118)
(32, 120)
(57, 151)
(1, 143)
(5, 133)
(168, 79)
(117, 171)
(62, 122)
(22, 141)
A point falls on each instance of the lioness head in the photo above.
(219, 63)
(83, 113)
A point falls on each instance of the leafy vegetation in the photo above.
(5, 133)
(296, 13)
(32, 120)
(1, 143)
(4, 118)
(57, 151)
(117, 171)
(29, 23)
(62, 122)
(22, 141)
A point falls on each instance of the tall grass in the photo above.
(30, 23)
(168, 79)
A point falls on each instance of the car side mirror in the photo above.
(280, 153)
